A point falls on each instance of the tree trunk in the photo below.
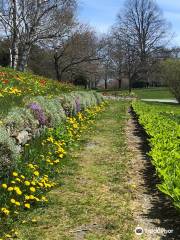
(23, 58)
(105, 82)
(56, 67)
(119, 81)
(14, 44)
(130, 83)
(14, 55)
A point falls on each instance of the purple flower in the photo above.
(38, 113)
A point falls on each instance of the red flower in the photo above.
(42, 82)
(5, 81)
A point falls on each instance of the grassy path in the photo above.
(93, 199)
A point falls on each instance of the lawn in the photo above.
(153, 93)
(143, 93)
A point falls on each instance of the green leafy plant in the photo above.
(162, 125)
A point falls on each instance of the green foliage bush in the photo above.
(84, 99)
(52, 109)
(19, 119)
(163, 127)
(171, 73)
(8, 151)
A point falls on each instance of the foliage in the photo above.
(19, 119)
(48, 111)
(171, 73)
(14, 86)
(39, 113)
(163, 127)
(8, 151)
(35, 172)
(99, 165)
(26, 113)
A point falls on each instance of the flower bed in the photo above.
(14, 86)
(38, 113)
(35, 170)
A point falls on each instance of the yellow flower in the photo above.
(27, 197)
(32, 189)
(33, 183)
(37, 199)
(27, 205)
(8, 236)
(31, 197)
(23, 177)
(15, 233)
(50, 139)
(13, 200)
(5, 211)
(18, 179)
(44, 199)
(40, 184)
(10, 189)
(31, 166)
(4, 185)
(34, 220)
(19, 192)
(56, 161)
(15, 174)
(17, 204)
(27, 183)
(36, 173)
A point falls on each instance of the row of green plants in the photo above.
(36, 169)
(161, 122)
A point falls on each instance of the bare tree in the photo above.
(80, 46)
(142, 29)
(107, 58)
(28, 21)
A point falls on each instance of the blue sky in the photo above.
(101, 14)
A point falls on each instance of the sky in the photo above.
(101, 14)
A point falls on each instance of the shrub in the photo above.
(8, 151)
(171, 73)
(48, 111)
(38, 113)
(19, 119)
(79, 101)
(99, 97)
